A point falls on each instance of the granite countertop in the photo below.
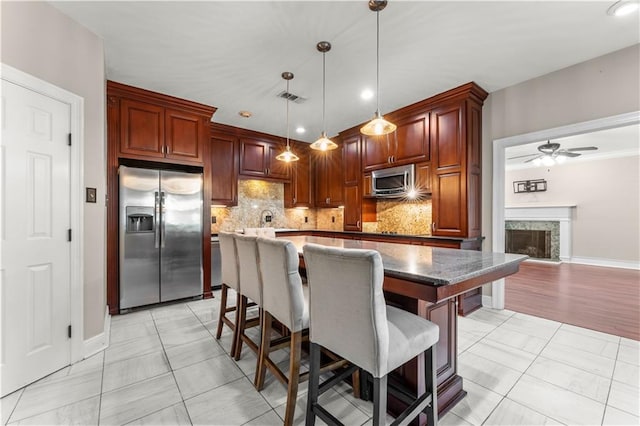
(284, 231)
(433, 265)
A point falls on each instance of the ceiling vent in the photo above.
(291, 97)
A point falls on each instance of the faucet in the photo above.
(265, 217)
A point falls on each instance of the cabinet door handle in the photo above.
(393, 158)
(433, 226)
(168, 149)
(162, 149)
(326, 200)
(358, 224)
(294, 200)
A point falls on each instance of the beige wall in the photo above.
(606, 221)
(41, 41)
(601, 87)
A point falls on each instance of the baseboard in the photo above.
(610, 263)
(100, 341)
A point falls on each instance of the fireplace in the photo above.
(533, 243)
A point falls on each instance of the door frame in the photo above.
(499, 161)
(76, 266)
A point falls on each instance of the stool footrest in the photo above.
(338, 377)
(326, 416)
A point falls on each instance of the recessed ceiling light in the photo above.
(623, 7)
(366, 94)
(300, 129)
(245, 114)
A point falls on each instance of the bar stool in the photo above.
(229, 274)
(348, 316)
(284, 298)
(260, 232)
(251, 284)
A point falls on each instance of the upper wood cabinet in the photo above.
(329, 178)
(223, 156)
(298, 193)
(456, 132)
(156, 127)
(258, 159)
(408, 144)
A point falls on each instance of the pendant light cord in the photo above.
(288, 115)
(378, 62)
(324, 72)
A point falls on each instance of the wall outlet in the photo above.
(333, 219)
(213, 219)
(306, 219)
(267, 218)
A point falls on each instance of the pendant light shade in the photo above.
(378, 125)
(287, 155)
(323, 143)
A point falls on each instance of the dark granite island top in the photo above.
(446, 272)
(424, 281)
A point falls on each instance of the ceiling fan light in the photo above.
(561, 158)
(537, 161)
(378, 126)
(324, 143)
(548, 161)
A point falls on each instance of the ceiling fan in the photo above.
(550, 154)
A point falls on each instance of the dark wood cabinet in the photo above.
(184, 136)
(258, 159)
(423, 178)
(148, 128)
(150, 131)
(408, 144)
(357, 209)
(298, 193)
(456, 165)
(329, 178)
(223, 156)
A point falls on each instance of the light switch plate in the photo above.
(90, 195)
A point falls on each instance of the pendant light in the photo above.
(378, 125)
(323, 143)
(287, 155)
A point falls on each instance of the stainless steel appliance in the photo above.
(393, 182)
(160, 236)
(216, 268)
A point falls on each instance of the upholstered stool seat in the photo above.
(349, 316)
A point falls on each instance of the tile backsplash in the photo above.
(257, 197)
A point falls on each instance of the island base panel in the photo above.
(411, 375)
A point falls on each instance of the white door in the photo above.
(34, 224)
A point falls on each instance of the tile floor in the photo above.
(164, 367)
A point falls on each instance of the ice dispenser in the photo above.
(140, 219)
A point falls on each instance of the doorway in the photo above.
(499, 159)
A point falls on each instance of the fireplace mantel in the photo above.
(561, 213)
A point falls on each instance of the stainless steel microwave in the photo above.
(393, 182)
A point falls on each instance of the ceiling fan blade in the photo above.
(521, 156)
(566, 153)
(583, 148)
(531, 159)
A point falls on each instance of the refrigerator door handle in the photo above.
(156, 231)
(162, 212)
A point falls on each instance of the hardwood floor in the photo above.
(602, 299)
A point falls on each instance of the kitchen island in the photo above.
(425, 281)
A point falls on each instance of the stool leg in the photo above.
(379, 401)
(294, 377)
(236, 329)
(242, 323)
(431, 385)
(265, 346)
(223, 308)
(314, 383)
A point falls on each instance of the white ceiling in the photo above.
(231, 54)
(611, 143)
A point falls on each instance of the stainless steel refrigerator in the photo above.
(160, 236)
